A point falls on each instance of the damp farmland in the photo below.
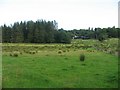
(60, 65)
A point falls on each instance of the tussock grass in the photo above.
(60, 52)
(82, 57)
(49, 68)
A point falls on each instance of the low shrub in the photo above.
(74, 49)
(64, 50)
(10, 54)
(68, 50)
(66, 58)
(32, 52)
(21, 53)
(59, 48)
(47, 55)
(15, 55)
(36, 51)
(59, 52)
(82, 57)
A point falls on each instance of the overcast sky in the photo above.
(70, 14)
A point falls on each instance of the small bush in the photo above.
(66, 58)
(74, 49)
(36, 51)
(82, 57)
(68, 50)
(90, 50)
(65, 69)
(15, 54)
(59, 52)
(83, 64)
(47, 55)
(26, 51)
(21, 53)
(32, 52)
(64, 50)
(59, 48)
(10, 54)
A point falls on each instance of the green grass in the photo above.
(49, 69)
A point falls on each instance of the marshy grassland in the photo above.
(59, 65)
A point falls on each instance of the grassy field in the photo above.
(59, 65)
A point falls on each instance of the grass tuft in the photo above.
(82, 57)
(59, 52)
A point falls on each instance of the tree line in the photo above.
(96, 33)
(42, 31)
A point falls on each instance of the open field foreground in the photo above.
(59, 65)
